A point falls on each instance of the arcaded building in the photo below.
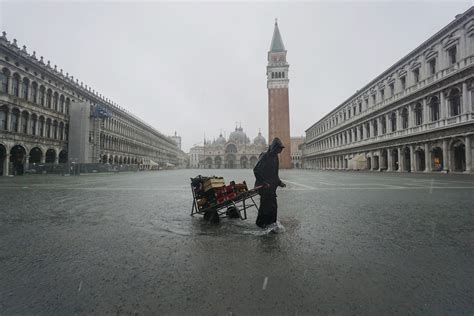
(417, 116)
(236, 152)
(48, 116)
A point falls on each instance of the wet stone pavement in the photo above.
(354, 243)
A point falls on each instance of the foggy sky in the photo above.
(199, 68)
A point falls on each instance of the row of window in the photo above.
(353, 110)
(23, 122)
(278, 75)
(30, 91)
(371, 129)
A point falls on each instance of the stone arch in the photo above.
(231, 149)
(4, 117)
(36, 154)
(437, 161)
(50, 156)
(244, 162)
(15, 120)
(454, 99)
(230, 161)
(63, 156)
(420, 159)
(395, 162)
(4, 80)
(457, 150)
(25, 88)
(16, 79)
(253, 161)
(218, 162)
(18, 159)
(208, 163)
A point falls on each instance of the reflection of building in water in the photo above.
(418, 115)
(236, 152)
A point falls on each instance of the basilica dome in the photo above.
(220, 140)
(259, 140)
(238, 136)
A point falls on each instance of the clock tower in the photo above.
(278, 99)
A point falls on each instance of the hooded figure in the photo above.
(266, 174)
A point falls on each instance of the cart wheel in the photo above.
(232, 212)
(214, 217)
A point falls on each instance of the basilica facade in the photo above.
(236, 152)
(417, 116)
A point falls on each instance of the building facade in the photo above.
(47, 116)
(296, 151)
(237, 152)
(417, 116)
(278, 98)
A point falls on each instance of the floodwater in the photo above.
(354, 243)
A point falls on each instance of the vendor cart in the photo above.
(235, 196)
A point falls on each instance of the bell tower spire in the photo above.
(278, 97)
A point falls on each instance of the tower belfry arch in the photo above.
(278, 97)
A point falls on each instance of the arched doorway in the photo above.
(459, 153)
(395, 162)
(104, 159)
(209, 163)
(369, 162)
(375, 162)
(3, 156)
(63, 156)
(116, 160)
(218, 162)
(50, 156)
(17, 159)
(35, 155)
(407, 159)
(420, 159)
(437, 159)
(230, 162)
(243, 162)
(253, 161)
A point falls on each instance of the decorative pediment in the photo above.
(401, 72)
(414, 64)
(380, 85)
(430, 54)
(450, 41)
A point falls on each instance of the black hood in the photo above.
(276, 143)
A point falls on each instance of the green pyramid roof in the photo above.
(277, 43)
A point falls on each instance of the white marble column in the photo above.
(9, 119)
(401, 165)
(413, 166)
(426, 112)
(442, 107)
(6, 164)
(427, 158)
(465, 99)
(467, 142)
(389, 159)
(445, 155)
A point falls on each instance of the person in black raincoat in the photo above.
(266, 174)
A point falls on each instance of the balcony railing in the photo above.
(441, 74)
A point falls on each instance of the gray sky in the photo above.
(199, 68)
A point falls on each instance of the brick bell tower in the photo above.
(278, 100)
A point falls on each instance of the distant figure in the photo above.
(266, 174)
